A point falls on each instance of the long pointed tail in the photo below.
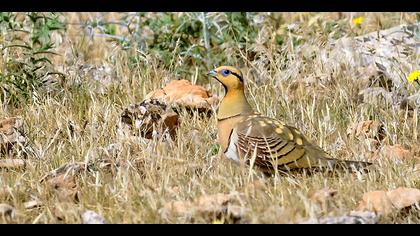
(347, 165)
(319, 159)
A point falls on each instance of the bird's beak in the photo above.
(212, 73)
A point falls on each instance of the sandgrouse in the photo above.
(264, 142)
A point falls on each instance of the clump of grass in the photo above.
(147, 174)
(27, 49)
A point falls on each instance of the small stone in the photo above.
(394, 200)
(91, 217)
(376, 201)
(32, 204)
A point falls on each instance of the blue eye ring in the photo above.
(225, 72)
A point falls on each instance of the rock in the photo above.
(386, 202)
(390, 50)
(32, 204)
(376, 201)
(12, 163)
(11, 133)
(183, 94)
(6, 210)
(404, 197)
(207, 206)
(379, 62)
(355, 217)
(91, 217)
(149, 118)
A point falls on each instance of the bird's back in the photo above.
(270, 144)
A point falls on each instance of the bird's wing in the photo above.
(271, 143)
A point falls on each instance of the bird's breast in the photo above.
(224, 131)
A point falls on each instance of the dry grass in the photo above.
(146, 174)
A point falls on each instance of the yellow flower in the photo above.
(414, 76)
(217, 222)
(358, 20)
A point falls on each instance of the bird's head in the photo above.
(228, 76)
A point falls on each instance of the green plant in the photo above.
(183, 40)
(28, 47)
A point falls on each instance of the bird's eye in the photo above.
(225, 72)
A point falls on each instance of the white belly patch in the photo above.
(232, 150)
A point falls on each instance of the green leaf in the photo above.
(110, 29)
(215, 149)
